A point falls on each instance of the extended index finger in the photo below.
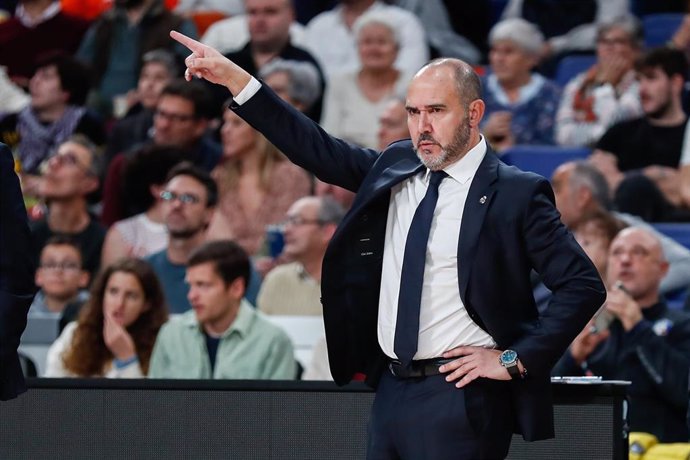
(190, 43)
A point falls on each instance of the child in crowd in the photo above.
(62, 280)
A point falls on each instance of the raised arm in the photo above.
(207, 63)
(302, 140)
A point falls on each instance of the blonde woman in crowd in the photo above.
(257, 185)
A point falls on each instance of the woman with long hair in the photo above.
(257, 185)
(116, 329)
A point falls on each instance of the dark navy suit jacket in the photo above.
(510, 226)
(16, 276)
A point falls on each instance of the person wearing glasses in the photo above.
(181, 119)
(294, 288)
(58, 90)
(644, 341)
(117, 327)
(144, 233)
(607, 92)
(189, 200)
(62, 281)
(158, 68)
(69, 177)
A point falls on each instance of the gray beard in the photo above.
(451, 152)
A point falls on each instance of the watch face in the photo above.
(508, 357)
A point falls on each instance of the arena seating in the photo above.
(542, 159)
(659, 28)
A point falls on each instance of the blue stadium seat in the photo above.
(660, 27)
(570, 66)
(680, 232)
(542, 159)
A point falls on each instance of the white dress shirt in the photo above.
(443, 321)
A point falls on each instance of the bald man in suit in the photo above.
(434, 303)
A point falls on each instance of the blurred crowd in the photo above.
(168, 231)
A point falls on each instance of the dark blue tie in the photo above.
(412, 276)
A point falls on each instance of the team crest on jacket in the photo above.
(662, 327)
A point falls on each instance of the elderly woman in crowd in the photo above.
(257, 185)
(520, 105)
(606, 93)
(354, 101)
(296, 82)
(117, 327)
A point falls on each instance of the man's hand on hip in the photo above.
(472, 363)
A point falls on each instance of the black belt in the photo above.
(421, 368)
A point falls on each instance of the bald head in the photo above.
(637, 260)
(643, 238)
(467, 82)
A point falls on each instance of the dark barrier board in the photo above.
(165, 419)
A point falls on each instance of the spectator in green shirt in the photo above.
(222, 337)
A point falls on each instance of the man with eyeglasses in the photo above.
(647, 343)
(69, 177)
(58, 92)
(181, 119)
(189, 201)
(294, 288)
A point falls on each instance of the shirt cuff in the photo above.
(248, 91)
(127, 362)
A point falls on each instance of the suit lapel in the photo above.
(478, 202)
(371, 190)
(390, 176)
